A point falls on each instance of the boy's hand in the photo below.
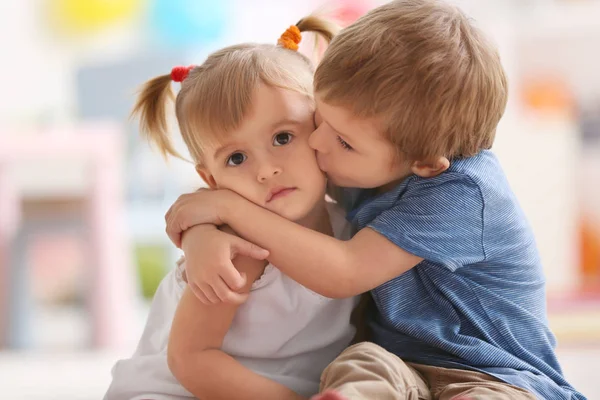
(211, 275)
(201, 207)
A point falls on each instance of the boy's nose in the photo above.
(316, 140)
(267, 172)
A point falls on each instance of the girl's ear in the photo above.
(206, 176)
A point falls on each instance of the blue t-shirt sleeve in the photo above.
(438, 219)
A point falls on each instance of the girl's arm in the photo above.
(194, 354)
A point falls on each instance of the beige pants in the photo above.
(367, 371)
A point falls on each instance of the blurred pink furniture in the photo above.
(100, 148)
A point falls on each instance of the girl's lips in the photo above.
(279, 192)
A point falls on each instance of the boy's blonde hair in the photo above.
(424, 72)
(215, 96)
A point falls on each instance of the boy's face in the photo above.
(352, 151)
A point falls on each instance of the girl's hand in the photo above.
(210, 273)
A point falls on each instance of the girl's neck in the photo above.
(318, 219)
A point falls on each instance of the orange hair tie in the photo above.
(290, 38)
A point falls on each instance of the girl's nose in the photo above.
(268, 171)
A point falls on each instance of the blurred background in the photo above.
(82, 198)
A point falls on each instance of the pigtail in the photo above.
(290, 39)
(322, 27)
(151, 109)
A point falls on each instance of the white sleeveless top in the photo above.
(284, 332)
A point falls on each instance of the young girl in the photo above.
(245, 115)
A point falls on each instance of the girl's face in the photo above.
(267, 159)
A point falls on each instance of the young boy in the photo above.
(408, 101)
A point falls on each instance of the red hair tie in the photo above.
(178, 74)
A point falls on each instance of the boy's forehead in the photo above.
(331, 111)
(358, 129)
(341, 115)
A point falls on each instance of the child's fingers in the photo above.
(175, 239)
(198, 293)
(236, 298)
(209, 293)
(227, 293)
(173, 220)
(168, 214)
(222, 291)
(245, 248)
(172, 231)
(228, 296)
(232, 276)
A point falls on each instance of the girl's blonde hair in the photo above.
(215, 96)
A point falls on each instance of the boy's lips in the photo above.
(278, 192)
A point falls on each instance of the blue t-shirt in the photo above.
(477, 301)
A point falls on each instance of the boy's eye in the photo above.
(236, 159)
(344, 144)
(283, 138)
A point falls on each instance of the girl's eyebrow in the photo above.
(285, 121)
(223, 149)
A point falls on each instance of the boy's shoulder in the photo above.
(469, 204)
(483, 166)
(474, 178)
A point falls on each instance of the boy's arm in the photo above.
(194, 354)
(331, 267)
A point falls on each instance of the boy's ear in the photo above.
(206, 176)
(429, 169)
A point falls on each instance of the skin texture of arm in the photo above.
(326, 265)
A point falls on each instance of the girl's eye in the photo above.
(283, 138)
(344, 144)
(236, 159)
